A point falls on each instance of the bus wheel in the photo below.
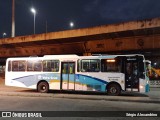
(43, 87)
(113, 89)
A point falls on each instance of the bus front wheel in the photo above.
(113, 89)
(43, 87)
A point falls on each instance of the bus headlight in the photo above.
(141, 87)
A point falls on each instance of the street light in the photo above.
(4, 34)
(71, 24)
(34, 13)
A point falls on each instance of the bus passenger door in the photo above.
(68, 76)
(131, 74)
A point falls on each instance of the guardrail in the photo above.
(154, 83)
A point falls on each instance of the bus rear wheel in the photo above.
(113, 89)
(43, 87)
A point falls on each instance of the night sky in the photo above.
(84, 13)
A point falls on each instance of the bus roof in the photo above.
(61, 56)
(72, 56)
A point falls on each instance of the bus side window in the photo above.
(22, 65)
(111, 65)
(50, 65)
(95, 65)
(14, 65)
(29, 66)
(90, 65)
(54, 66)
(37, 66)
(46, 65)
(18, 65)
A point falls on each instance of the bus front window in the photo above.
(148, 68)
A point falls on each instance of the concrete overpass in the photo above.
(130, 36)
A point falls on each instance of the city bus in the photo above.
(112, 74)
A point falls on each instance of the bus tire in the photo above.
(113, 89)
(43, 87)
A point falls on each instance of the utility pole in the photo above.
(34, 13)
(13, 18)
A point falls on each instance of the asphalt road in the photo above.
(19, 103)
(152, 97)
(32, 102)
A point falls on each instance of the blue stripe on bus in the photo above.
(92, 78)
(92, 82)
(89, 81)
(22, 77)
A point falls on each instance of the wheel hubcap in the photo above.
(43, 87)
(113, 90)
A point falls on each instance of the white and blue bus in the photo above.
(105, 73)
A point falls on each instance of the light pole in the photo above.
(71, 24)
(34, 13)
(13, 18)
